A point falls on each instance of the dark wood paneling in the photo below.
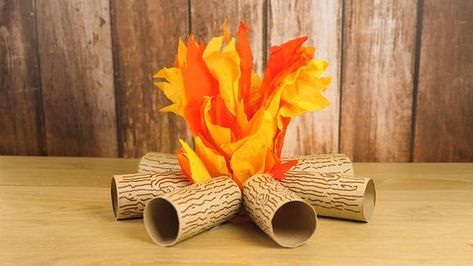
(315, 132)
(207, 18)
(21, 127)
(145, 37)
(65, 91)
(377, 78)
(77, 77)
(444, 118)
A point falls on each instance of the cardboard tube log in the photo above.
(281, 214)
(157, 162)
(130, 193)
(188, 211)
(321, 163)
(334, 195)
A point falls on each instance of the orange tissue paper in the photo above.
(238, 119)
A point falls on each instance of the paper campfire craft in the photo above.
(239, 120)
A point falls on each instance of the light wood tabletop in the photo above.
(56, 210)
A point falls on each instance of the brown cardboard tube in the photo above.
(321, 163)
(185, 212)
(282, 215)
(334, 195)
(158, 162)
(130, 193)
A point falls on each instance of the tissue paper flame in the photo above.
(237, 119)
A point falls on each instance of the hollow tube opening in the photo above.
(113, 192)
(161, 222)
(369, 200)
(293, 223)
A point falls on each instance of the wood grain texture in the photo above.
(62, 171)
(131, 192)
(332, 194)
(208, 16)
(444, 117)
(417, 203)
(145, 37)
(155, 162)
(21, 124)
(198, 207)
(77, 77)
(321, 21)
(324, 163)
(377, 79)
(272, 207)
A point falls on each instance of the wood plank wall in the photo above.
(141, 32)
(378, 79)
(318, 131)
(75, 76)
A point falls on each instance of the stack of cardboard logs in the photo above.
(175, 209)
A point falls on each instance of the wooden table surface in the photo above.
(57, 211)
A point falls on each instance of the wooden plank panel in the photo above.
(320, 20)
(77, 77)
(207, 18)
(444, 117)
(145, 36)
(62, 171)
(378, 69)
(56, 225)
(21, 126)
